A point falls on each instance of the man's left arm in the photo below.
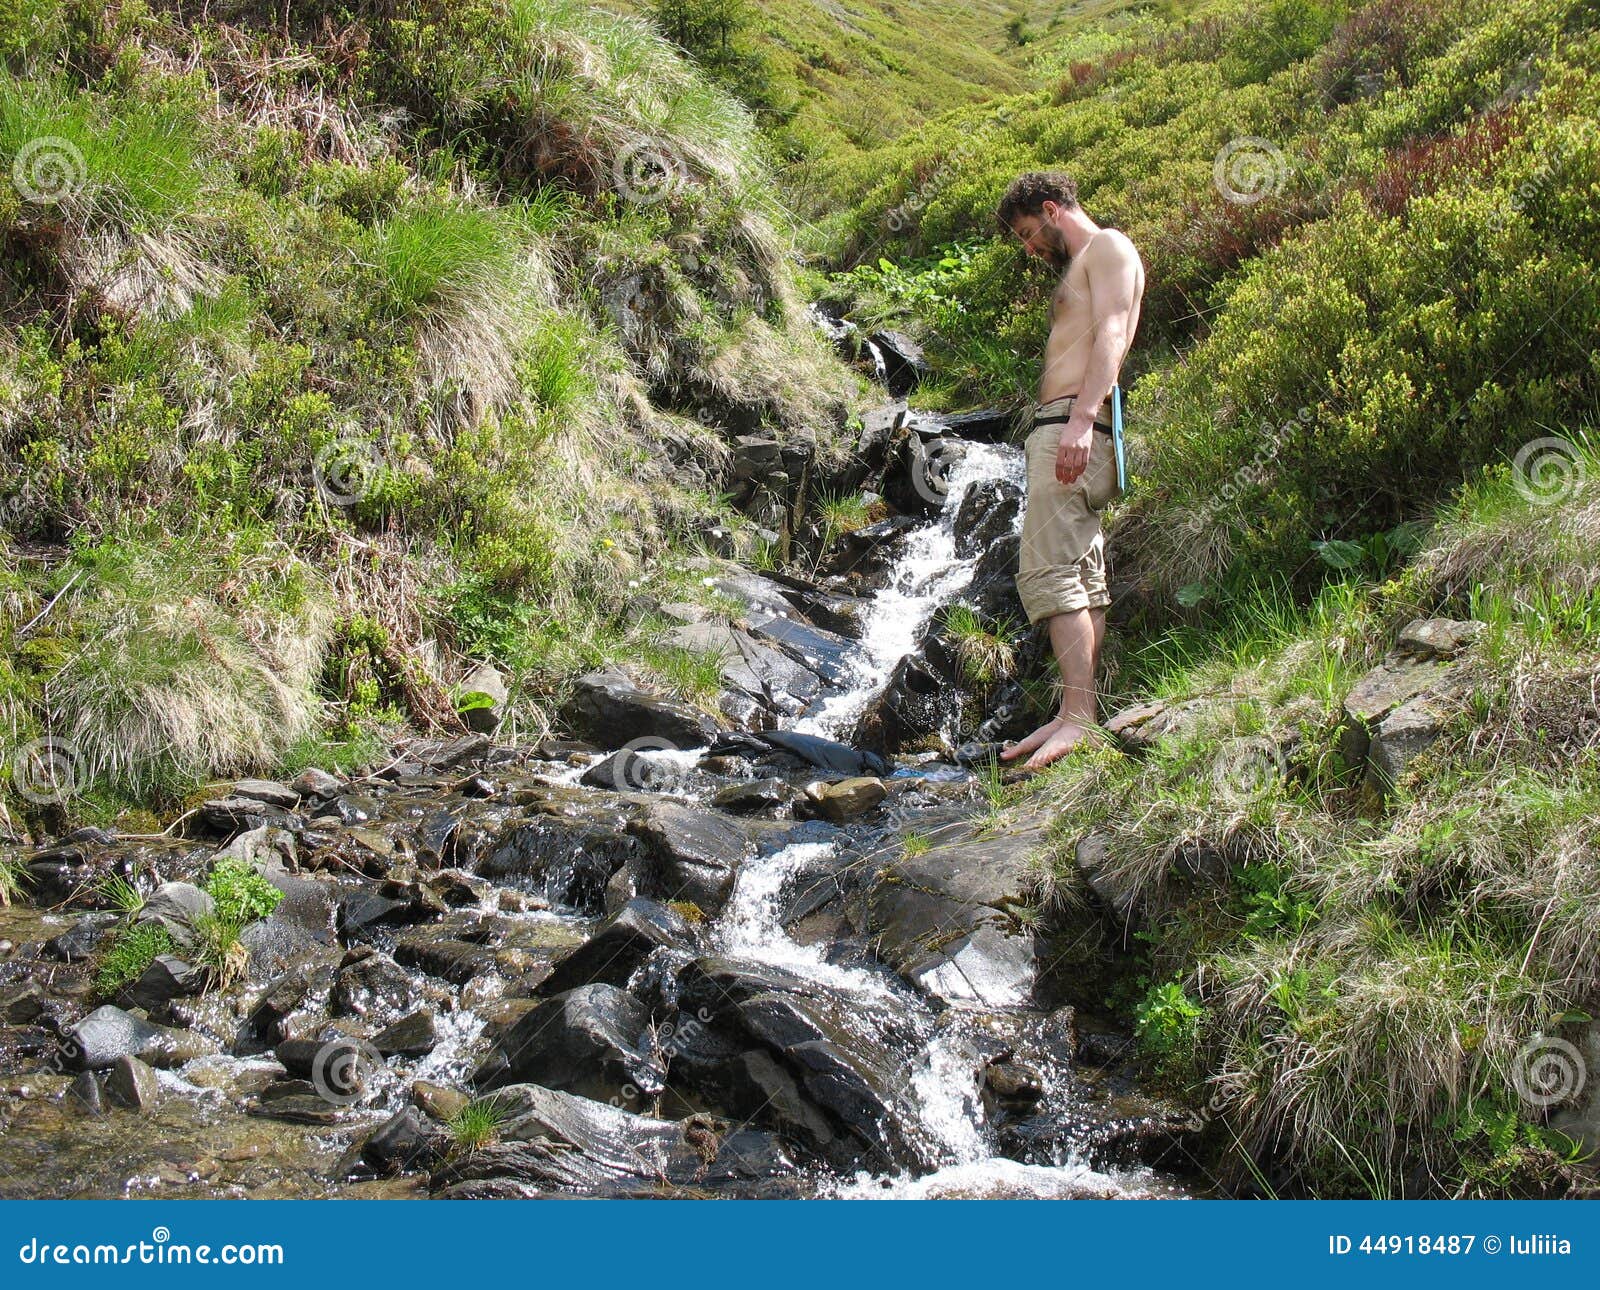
(1112, 266)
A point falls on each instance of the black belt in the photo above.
(1061, 421)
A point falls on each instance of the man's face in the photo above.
(1040, 236)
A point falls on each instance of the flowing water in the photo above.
(930, 1061)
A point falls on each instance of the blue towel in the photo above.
(1116, 440)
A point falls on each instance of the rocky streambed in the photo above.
(774, 952)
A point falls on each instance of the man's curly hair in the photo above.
(1028, 194)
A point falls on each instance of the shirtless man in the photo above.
(1061, 573)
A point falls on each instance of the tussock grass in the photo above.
(172, 665)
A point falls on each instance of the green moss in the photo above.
(136, 946)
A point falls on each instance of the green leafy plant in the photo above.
(240, 892)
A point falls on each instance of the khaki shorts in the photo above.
(1062, 566)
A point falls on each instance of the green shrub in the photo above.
(241, 893)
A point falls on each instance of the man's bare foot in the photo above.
(1012, 751)
(1067, 736)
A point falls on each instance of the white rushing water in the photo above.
(927, 575)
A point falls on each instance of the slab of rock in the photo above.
(610, 710)
(108, 1033)
(167, 977)
(947, 919)
(178, 907)
(590, 1039)
(1376, 695)
(690, 854)
(268, 791)
(412, 1036)
(1437, 638)
(313, 782)
(1401, 737)
(613, 953)
(572, 858)
(132, 1084)
(484, 682)
(755, 797)
(556, 1140)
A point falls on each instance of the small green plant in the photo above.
(217, 949)
(477, 1124)
(123, 895)
(11, 870)
(915, 844)
(1167, 1022)
(135, 948)
(241, 893)
(987, 654)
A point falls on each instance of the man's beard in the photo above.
(1056, 253)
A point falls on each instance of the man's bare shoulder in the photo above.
(1112, 246)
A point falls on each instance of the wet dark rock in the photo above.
(1014, 1081)
(168, 977)
(268, 791)
(108, 1033)
(362, 909)
(690, 853)
(609, 709)
(982, 425)
(238, 814)
(369, 982)
(572, 859)
(351, 809)
(403, 1143)
(449, 959)
(919, 700)
(625, 771)
(819, 651)
(83, 939)
(317, 783)
(1104, 1048)
(450, 754)
(290, 995)
(58, 875)
(297, 1101)
(304, 920)
(437, 1101)
(178, 907)
(412, 1036)
(804, 750)
(587, 1040)
(614, 952)
(553, 1139)
(85, 1095)
(755, 797)
(903, 360)
(870, 551)
(987, 514)
(21, 1003)
(132, 1084)
(458, 889)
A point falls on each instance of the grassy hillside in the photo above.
(338, 351)
(1363, 394)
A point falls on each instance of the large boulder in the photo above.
(587, 1040)
(610, 710)
(690, 854)
(949, 919)
(552, 1141)
(622, 944)
(108, 1033)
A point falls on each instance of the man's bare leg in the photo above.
(1076, 639)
